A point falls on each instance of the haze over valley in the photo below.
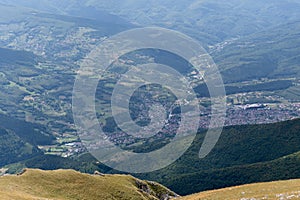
(255, 45)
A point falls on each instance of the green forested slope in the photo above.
(244, 154)
(19, 140)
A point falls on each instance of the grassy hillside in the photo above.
(69, 184)
(272, 190)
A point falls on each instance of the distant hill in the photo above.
(272, 190)
(270, 53)
(69, 184)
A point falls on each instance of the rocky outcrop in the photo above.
(154, 189)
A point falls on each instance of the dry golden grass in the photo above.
(274, 190)
(68, 185)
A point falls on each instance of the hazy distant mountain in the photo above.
(204, 19)
(74, 8)
(209, 21)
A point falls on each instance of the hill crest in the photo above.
(269, 190)
(70, 184)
